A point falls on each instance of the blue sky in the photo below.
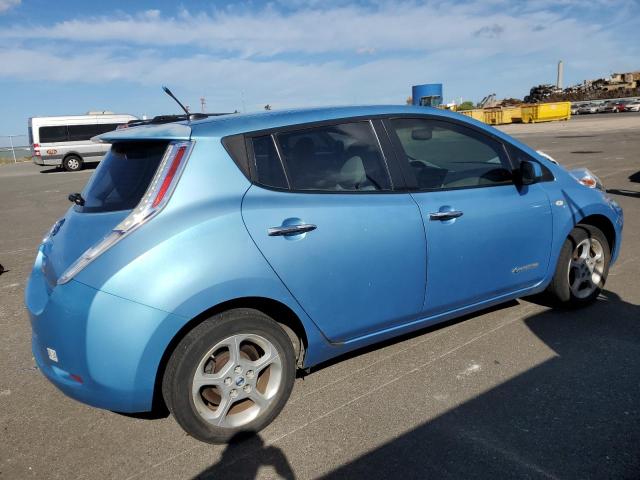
(68, 57)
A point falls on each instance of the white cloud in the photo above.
(7, 4)
(340, 54)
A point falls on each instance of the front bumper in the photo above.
(106, 349)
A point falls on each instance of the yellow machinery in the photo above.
(500, 116)
(477, 113)
(546, 112)
(539, 112)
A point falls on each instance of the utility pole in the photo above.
(203, 104)
(12, 149)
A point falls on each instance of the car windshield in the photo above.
(123, 176)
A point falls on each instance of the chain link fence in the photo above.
(14, 149)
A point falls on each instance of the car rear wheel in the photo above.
(230, 375)
(72, 163)
(582, 268)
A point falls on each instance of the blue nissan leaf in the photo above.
(207, 260)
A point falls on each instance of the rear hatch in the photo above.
(114, 190)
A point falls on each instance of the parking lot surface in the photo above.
(520, 391)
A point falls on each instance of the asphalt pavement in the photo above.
(519, 391)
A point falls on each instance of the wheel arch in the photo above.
(275, 309)
(72, 153)
(605, 225)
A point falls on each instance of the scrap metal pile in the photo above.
(617, 86)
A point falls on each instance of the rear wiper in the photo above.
(76, 198)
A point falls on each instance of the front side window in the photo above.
(442, 155)
(334, 158)
(518, 156)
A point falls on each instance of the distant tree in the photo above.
(466, 105)
(267, 107)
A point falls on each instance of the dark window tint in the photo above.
(81, 132)
(267, 163)
(342, 157)
(443, 155)
(105, 127)
(53, 134)
(123, 176)
(518, 155)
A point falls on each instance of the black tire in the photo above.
(72, 163)
(184, 361)
(559, 288)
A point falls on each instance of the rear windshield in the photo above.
(122, 176)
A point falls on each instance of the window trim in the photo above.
(410, 179)
(395, 187)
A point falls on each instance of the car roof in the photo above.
(251, 122)
(233, 124)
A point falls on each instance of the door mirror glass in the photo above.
(530, 172)
(422, 133)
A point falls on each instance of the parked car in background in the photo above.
(632, 107)
(65, 141)
(606, 107)
(574, 109)
(588, 108)
(207, 261)
(619, 106)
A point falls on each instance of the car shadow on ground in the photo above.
(86, 166)
(576, 415)
(624, 193)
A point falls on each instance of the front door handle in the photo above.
(291, 230)
(450, 215)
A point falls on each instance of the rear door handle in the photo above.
(450, 215)
(291, 230)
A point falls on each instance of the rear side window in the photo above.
(335, 158)
(267, 163)
(123, 176)
(81, 132)
(442, 155)
(53, 134)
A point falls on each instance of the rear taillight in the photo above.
(171, 174)
(154, 199)
(36, 149)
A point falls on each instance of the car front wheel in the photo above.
(582, 268)
(230, 375)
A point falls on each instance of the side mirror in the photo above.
(530, 172)
(422, 133)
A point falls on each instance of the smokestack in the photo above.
(560, 72)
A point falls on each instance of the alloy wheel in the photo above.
(586, 267)
(237, 380)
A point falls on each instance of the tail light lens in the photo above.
(36, 149)
(155, 198)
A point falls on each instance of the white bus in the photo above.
(65, 141)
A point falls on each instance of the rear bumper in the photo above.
(43, 161)
(107, 349)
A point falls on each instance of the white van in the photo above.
(65, 141)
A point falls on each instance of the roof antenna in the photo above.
(168, 92)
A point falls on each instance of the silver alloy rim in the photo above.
(237, 380)
(586, 267)
(72, 163)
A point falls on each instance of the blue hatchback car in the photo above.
(206, 261)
